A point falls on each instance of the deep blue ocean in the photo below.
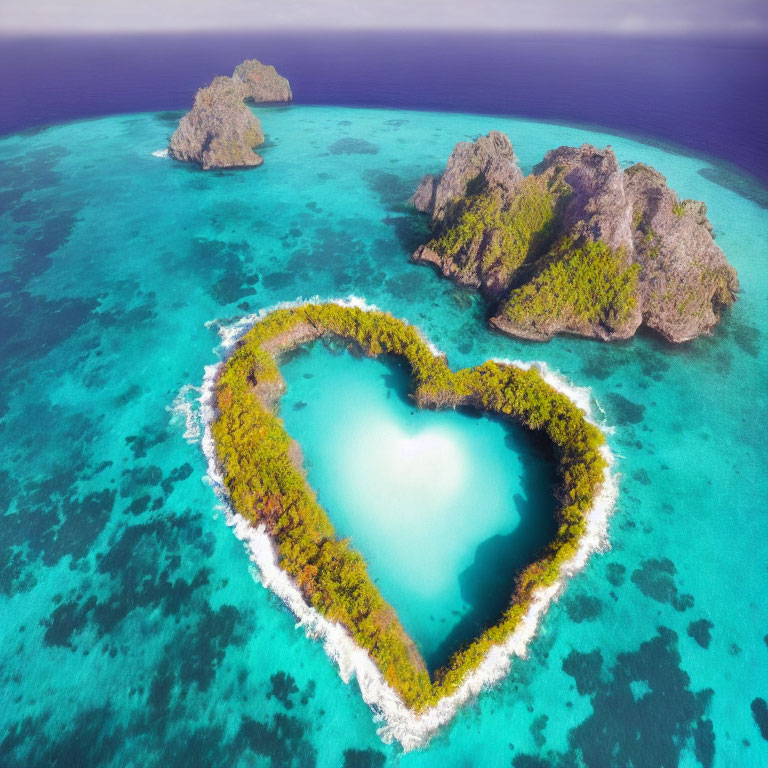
(703, 95)
(133, 627)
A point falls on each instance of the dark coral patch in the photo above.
(32, 326)
(656, 579)
(392, 189)
(643, 712)
(624, 411)
(143, 563)
(48, 235)
(36, 171)
(140, 505)
(642, 477)
(700, 632)
(234, 286)
(168, 118)
(651, 730)
(67, 619)
(747, 337)
(96, 736)
(531, 761)
(596, 367)
(352, 146)
(194, 655)
(735, 182)
(583, 608)
(363, 758)
(140, 477)
(407, 286)
(140, 444)
(537, 730)
(161, 689)
(283, 687)
(616, 573)
(74, 535)
(49, 519)
(275, 281)
(177, 475)
(202, 650)
(759, 709)
(281, 741)
(585, 669)
(229, 266)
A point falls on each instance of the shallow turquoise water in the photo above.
(132, 630)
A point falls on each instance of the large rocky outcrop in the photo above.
(262, 83)
(580, 246)
(484, 170)
(595, 206)
(220, 131)
(685, 280)
(487, 163)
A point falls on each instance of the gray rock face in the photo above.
(580, 246)
(262, 83)
(488, 164)
(220, 131)
(596, 206)
(685, 279)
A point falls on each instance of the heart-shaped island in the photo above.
(258, 469)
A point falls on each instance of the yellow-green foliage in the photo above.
(510, 230)
(266, 487)
(588, 284)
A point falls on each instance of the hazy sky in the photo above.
(695, 17)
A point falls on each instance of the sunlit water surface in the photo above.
(133, 632)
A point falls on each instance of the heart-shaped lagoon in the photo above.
(445, 507)
(261, 469)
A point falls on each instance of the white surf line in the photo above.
(160, 152)
(398, 722)
(183, 408)
(231, 334)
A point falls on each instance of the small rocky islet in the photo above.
(580, 246)
(220, 131)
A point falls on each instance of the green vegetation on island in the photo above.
(591, 284)
(491, 238)
(263, 474)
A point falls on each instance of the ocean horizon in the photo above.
(706, 95)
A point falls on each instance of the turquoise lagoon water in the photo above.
(446, 507)
(133, 631)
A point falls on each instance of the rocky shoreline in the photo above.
(581, 246)
(220, 131)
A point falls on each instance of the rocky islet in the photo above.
(220, 131)
(580, 246)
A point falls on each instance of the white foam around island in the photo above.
(183, 407)
(398, 722)
(160, 153)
